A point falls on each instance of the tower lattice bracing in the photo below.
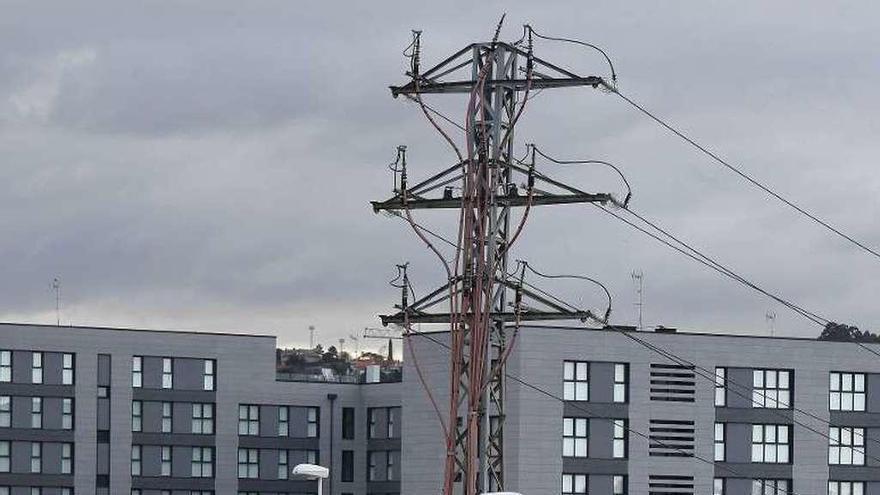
(484, 299)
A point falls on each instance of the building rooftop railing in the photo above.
(386, 376)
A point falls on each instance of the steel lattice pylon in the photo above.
(498, 77)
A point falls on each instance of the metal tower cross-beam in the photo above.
(484, 186)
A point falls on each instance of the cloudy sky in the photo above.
(208, 165)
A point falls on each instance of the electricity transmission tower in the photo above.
(487, 299)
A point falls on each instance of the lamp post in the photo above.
(312, 472)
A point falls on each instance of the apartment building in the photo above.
(615, 412)
(142, 412)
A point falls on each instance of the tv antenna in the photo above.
(638, 277)
(56, 284)
(357, 344)
(770, 318)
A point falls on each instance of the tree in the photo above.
(840, 332)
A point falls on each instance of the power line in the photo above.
(713, 378)
(584, 409)
(740, 172)
(707, 261)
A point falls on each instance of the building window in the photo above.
(36, 412)
(166, 460)
(248, 463)
(283, 421)
(347, 466)
(574, 484)
(209, 382)
(846, 446)
(576, 380)
(283, 465)
(137, 371)
(619, 447)
(5, 366)
(103, 392)
(5, 411)
(135, 460)
(202, 462)
(575, 437)
(720, 436)
(36, 490)
(313, 427)
(37, 368)
(167, 417)
(771, 443)
(772, 389)
(67, 414)
(371, 466)
(36, 457)
(847, 392)
(389, 422)
(67, 369)
(371, 422)
(248, 419)
(167, 373)
(203, 419)
(348, 422)
(66, 458)
(5, 456)
(390, 473)
(720, 387)
(619, 485)
(718, 486)
(621, 376)
(137, 415)
(846, 488)
(770, 487)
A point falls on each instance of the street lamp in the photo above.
(312, 472)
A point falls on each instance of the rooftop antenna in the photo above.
(56, 284)
(638, 277)
(311, 336)
(357, 344)
(770, 317)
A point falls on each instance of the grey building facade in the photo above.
(593, 411)
(114, 411)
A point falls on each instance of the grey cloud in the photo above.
(209, 165)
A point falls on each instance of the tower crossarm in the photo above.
(453, 75)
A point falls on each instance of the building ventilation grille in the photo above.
(669, 484)
(671, 438)
(672, 383)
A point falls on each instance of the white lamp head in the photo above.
(313, 471)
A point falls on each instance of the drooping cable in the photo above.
(581, 43)
(402, 282)
(629, 193)
(530, 268)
